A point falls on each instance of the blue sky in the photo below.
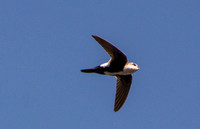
(45, 43)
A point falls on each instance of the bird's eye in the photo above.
(134, 64)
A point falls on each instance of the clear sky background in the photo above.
(45, 43)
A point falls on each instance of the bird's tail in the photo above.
(97, 69)
(89, 70)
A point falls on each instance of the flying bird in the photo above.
(117, 66)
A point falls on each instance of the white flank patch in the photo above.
(105, 64)
(116, 73)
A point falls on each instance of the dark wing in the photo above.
(118, 58)
(123, 87)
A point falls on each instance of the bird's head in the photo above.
(135, 66)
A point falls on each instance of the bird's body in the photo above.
(106, 69)
(117, 66)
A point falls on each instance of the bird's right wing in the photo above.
(123, 87)
(114, 52)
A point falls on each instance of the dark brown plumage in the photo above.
(123, 87)
(117, 66)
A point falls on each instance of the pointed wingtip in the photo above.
(115, 110)
(94, 36)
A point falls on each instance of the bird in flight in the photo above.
(117, 66)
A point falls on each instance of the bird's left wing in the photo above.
(123, 87)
